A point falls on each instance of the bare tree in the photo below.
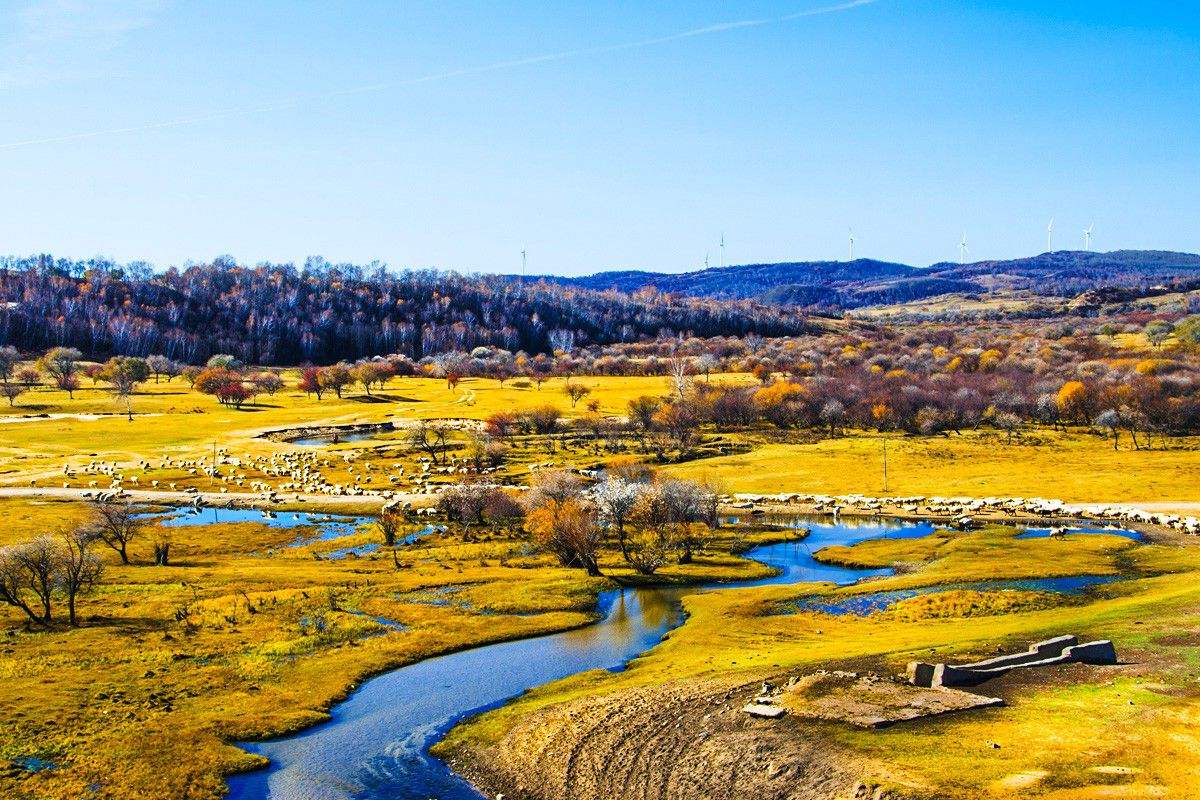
(649, 548)
(116, 524)
(28, 577)
(708, 364)
(9, 360)
(833, 413)
(268, 382)
(159, 366)
(1110, 420)
(431, 439)
(641, 413)
(11, 392)
(615, 499)
(543, 419)
(681, 370)
(1008, 422)
(78, 568)
(576, 391)
(469, 502)
(683, 510)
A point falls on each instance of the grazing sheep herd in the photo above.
(303, 475)
(302, 472)
(963, 510)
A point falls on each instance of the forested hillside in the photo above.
(321, 313)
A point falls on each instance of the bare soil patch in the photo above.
(676, 742)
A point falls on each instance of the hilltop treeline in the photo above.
(279, 314)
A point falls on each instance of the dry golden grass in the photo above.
(1074, 466)
(245, 637)
(1067, 730)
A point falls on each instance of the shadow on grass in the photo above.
(380, 398)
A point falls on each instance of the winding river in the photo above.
(375, 744)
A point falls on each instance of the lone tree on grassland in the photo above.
(123, 374)
(11, 392)
(431, 439)
(576, 391)
(79, 569)
(27, 577)
(116, 524)
(62, 364)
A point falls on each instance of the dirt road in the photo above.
(226, 499)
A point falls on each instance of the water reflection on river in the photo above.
(375, 744)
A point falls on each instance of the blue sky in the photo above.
(450, 133)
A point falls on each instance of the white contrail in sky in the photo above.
(707, 30)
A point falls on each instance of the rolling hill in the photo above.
(865, 282)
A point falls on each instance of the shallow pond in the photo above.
(795, 559)
(1045, 533)
(337, 438)
(376, 743)
(862, 605)
(328, 526)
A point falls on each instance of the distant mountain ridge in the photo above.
(864, 282)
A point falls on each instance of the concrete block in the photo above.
(920, 673)
(1101, 652)
(1055, 646)
(1059, 650)
(1037, 652)
(948, 676)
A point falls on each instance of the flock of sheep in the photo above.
(304, 473)
(962, 510)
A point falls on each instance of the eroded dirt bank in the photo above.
(678, 742)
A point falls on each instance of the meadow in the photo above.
(172, 419)
(254, 630)
(1127, 731)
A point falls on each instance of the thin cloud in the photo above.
(55, 40)
(707, 30)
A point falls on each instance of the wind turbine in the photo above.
(722, 249)
(852, 244)
(1087, 236)
(524, 257)
(963, 249)
(1050, 236)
